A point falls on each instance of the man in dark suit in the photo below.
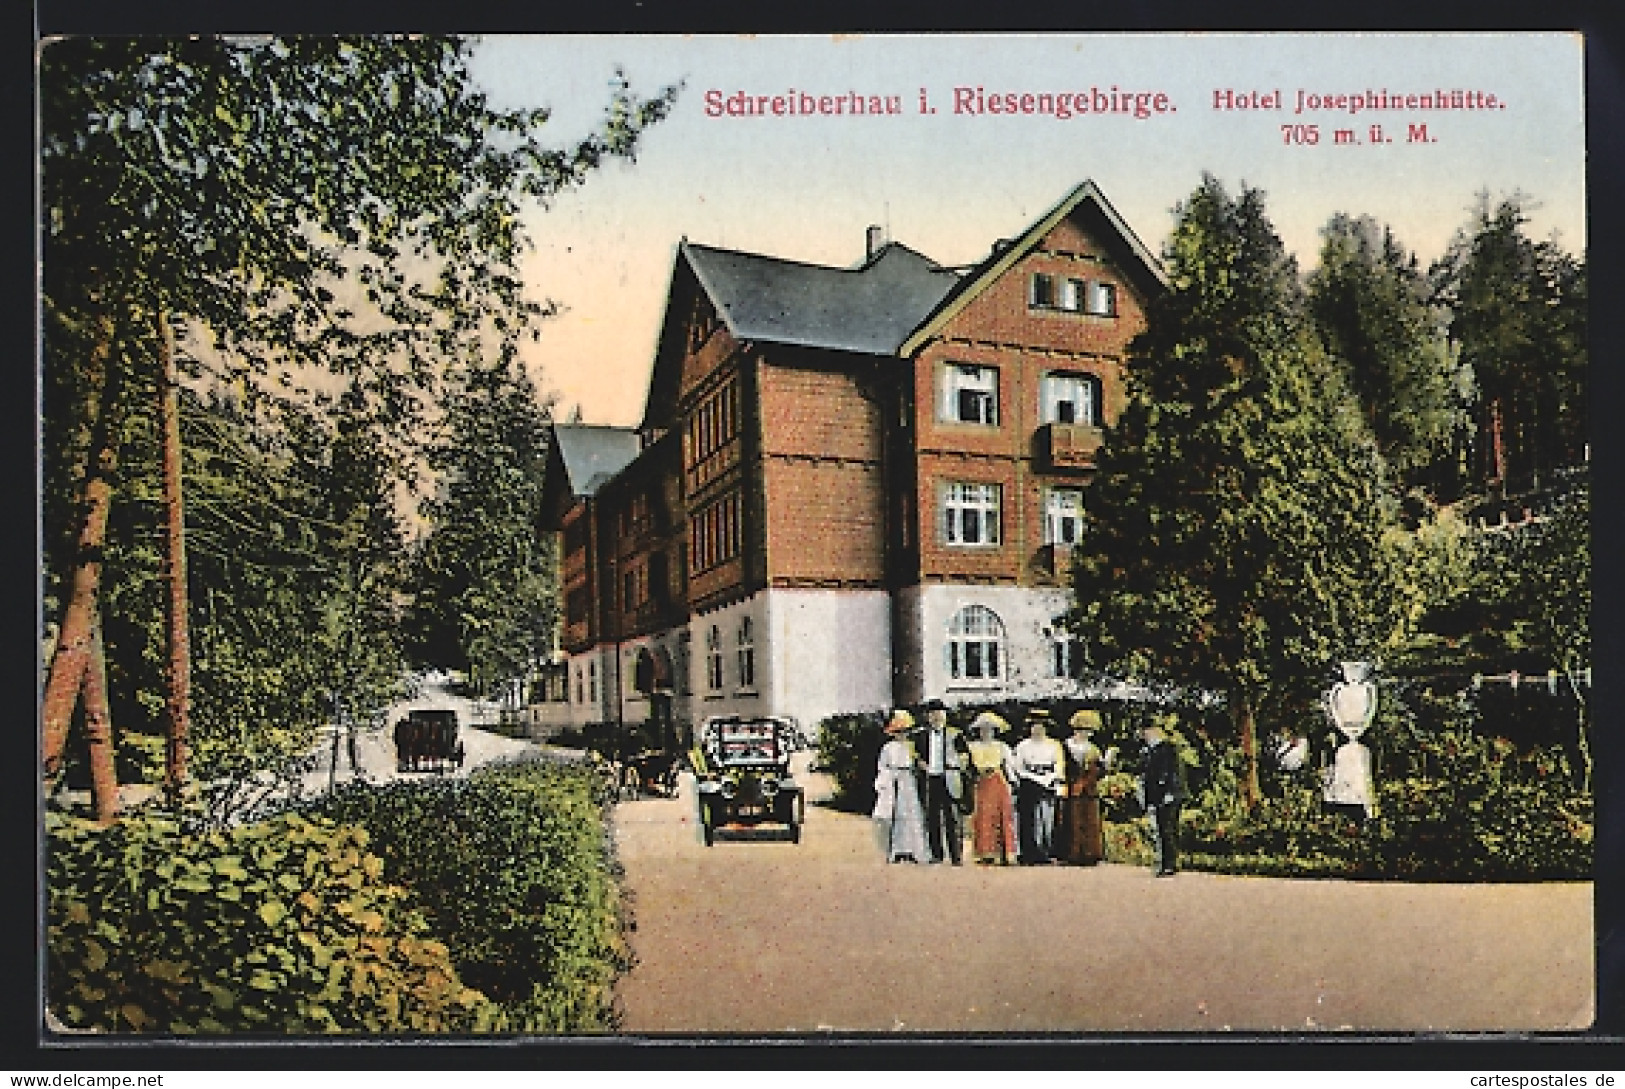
(943, 760)
(1162, 791)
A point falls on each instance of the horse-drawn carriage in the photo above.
(427, 740)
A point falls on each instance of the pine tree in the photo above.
(1371, 307)
(1517, 315)
(1234, 539)
(485, 580)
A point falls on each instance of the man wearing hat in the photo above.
(943, 760)
(1082, 838)
(1162, 791)
(1039, 762)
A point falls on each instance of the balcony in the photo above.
(1069, 446)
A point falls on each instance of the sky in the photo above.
(948, 183)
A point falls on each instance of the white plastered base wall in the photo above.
(1031, 620)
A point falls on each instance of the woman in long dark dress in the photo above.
(1082, 837)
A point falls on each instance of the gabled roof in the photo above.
(1140, 262)
(593, 453)
(869, 309)
(584, 457)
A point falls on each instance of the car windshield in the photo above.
(745, 742)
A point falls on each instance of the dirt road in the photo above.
(765, 937)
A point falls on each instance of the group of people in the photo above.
(1034, 805)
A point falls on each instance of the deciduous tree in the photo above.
(289, 208)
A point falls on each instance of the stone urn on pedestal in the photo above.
(1350, 705)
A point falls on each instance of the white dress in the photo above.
(897, 803)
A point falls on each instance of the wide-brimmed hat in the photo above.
(900, 722)
(988, 718)
(1085, 719)
(933, 705)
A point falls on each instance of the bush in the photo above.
(1128, 843)
(513, 869)
(281, 926)
(849, 750)
(1471, 809)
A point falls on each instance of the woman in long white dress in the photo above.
(899, 816)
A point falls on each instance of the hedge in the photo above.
(284, 926)
(512, 867)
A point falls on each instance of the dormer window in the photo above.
(970, 394)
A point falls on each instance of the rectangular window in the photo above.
(973, 659)
(1071, 399)
(1063, 516)
(716, 534)
(1043, 290)
(1072, 295)
(1102, 299)
(1065, 656)
(713, 654)
(970, 394)
(747, 654)
(970, 514)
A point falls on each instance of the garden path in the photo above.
(769, 937)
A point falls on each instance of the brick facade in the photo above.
(912, 468)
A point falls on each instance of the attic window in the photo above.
(1101, 299)
(1075, 296)
(1043, 290)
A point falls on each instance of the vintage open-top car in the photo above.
(742, 768)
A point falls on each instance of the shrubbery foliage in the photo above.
(285, 926)
(1451, 803)
(513, 870)
(849, 750)
(487, 904)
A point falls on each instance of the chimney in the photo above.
(874, 239)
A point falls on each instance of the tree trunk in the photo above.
(99, 733)
(72, 654)
(1249, 753)
(179, 673)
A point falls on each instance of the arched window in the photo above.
(713, 655)
(747, 654)
(975, 645)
